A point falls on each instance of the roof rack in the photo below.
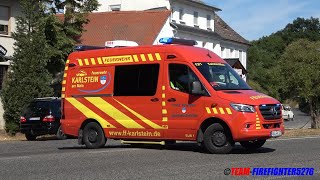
(85, 48)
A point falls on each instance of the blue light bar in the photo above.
(165, 40)
(168, 40)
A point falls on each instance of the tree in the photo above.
(264, 54)
(64, 31)
(43, 42)
(29, 77)
(299, 67)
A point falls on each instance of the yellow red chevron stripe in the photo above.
(89, 113)
(144, 119)
(114, 113)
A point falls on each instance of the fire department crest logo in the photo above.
(103, 79)
(184, 110)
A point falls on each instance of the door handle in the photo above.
(172, 100)
(154, 99)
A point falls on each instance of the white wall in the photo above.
(166, 31)
(6, 40)
(188, 17)
(132, 5)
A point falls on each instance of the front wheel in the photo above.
(217, 139)
(252, 145)
(93, 136)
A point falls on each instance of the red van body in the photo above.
(164, 93)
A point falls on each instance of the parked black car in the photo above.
(40, 117)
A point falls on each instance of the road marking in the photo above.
(115, 150)
(288, 139)
(15, 158)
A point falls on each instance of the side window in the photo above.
(181, 77)
(136, 80)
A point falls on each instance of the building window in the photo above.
(4, 20)
(209, 22)
(136, 80)
(181, 13)
(116, 7)
(195, 18)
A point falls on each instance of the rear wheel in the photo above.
(60, 134)
(217, 139)
(30, 137)
(93, 136)
(252, 145)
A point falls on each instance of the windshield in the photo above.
(221, 76)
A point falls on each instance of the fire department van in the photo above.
(163, 93)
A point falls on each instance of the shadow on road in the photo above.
(191, 147)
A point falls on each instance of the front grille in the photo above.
(270, 111)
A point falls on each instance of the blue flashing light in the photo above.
(166, 40)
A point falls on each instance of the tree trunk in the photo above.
(315, 115)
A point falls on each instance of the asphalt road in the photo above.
(64, 159)
(301, 120)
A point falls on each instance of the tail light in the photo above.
(48, 118)
(23, 119)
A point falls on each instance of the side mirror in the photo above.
(196, 88)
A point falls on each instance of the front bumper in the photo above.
(252, 126)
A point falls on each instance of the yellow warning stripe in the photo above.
(63, 89)
(93, 62)
(119, 59)
(164, 119)
(163, 103)
(164, 111)
(136, 59)
(150, 57)
(145, 120)
(114, 113)
(228, 111)
(143, 58)
(80, 62)
(217, 110)
(89, 113)
(208, 110)
(158, 57)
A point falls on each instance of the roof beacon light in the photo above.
(168, 40)
(120, 43)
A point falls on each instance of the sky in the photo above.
(254, 19)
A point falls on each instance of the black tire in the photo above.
(60, 135)
(252, 145)
(93, 136)
(217, 139)
(30, 137)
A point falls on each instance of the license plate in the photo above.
(34, 118)
(276, 133)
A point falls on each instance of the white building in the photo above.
(9, 10)
(191, 19)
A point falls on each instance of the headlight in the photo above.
(242, 107)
